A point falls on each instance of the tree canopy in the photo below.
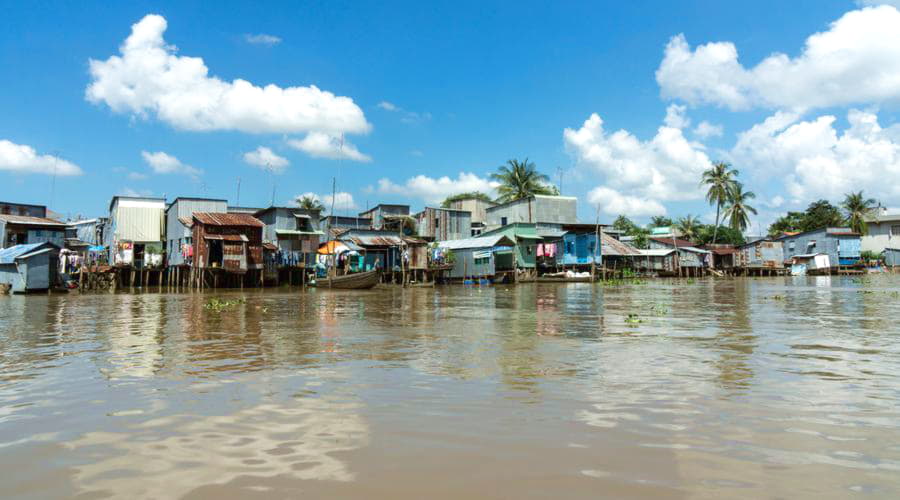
(818, 214)
(472, 195)
(521, 179)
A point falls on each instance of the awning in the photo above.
(528, 236)
(301, 216)
(335, 247)
(226, 237)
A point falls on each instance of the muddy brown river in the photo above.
(726, 388)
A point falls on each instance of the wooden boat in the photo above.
(355, 281)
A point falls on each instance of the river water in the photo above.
(737, 388)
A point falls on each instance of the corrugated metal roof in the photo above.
(694, 249)
(374, 241)
(295, 231)
(657, 252)
(25, 219)
(226, 237)
(668, 241)
(614, 247)
(9, 255)
(220, 219)
(480, 242)
(186, 221)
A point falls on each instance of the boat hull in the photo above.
(355, 281)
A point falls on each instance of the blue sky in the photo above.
(422, 92)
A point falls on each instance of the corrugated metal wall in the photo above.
(139, 224)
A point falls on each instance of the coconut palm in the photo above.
(738, 210)
(520, 179)
(688, 227)
(309, 202)
(857, 208)
(719, 181)
(660, 221)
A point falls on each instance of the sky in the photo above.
(622, 104)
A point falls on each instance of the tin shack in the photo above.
(440, 224)
(760, 257)
(481, 258)
(841, 244)
(30, 267)
(228, 249)
(135, 231)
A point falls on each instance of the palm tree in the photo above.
(520, 179)
(660, 221)
(857, 209)
(719, 180)
(309, 202)
(689, 227)
(738, 211)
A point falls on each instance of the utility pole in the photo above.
(238, 201)
(559, 171)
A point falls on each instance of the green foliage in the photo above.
(521, 179)
(689, 227)
(818, 214)
(623, 223)
(660, 221)
(738, 210)
(309, 202)
(472, 195)
(726, 235)
(857, 208)
(869, 256)
(719, 180)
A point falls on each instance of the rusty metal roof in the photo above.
(220, 219)
(614, 247)
(26, 219)
(668, 241)
(226, 237)
(374, 241)
(186, 221)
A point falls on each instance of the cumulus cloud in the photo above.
(23, 159)
(665, 168)
(433, 190)
(322, 145)
(265, 158)
(705, 130)
(613, 202)
(164, 163)
(342, 200)
(857, 60)
(262, 39)
(149, 78)
(816, 160)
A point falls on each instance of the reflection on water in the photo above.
(708, 388)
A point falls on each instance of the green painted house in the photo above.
(526, 238)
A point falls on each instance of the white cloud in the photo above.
(150, 78)
(612, 202)
(163, 163)
(705, 130)
(265, 158)
(262, 39)
(816, 160)
(322, 145)
(23, 159)
(676, 116)
(417, 152)
(389, 106)
(137, 176)
(434, 190)
(342, 201)
(857, 60)
(665, 168)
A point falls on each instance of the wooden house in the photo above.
(229, 244)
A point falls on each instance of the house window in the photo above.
(791, 246)
(502, 221)
(483, 261)
(895, 230)
(811, 245)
